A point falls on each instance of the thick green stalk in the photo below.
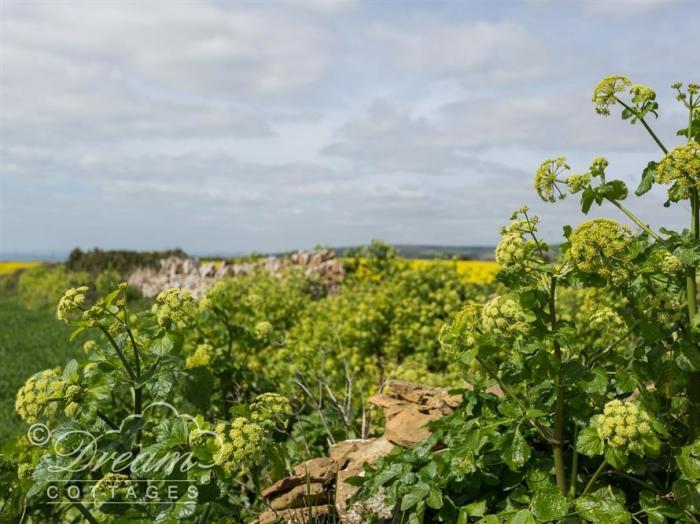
(646, 126)
(635, 219)
(85, 512)
(574, 467)
(558, 437)
(125, 362)
(693, 387)
(595, 476)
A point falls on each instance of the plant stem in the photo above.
(538, 427)
(693, 387)
(106, 420)
(646, 126)
(634, 219)
(205, 514)
(574, 467)
(594, 477)
(639, 482)
(558, 437)
(119, 352)
(85, 512)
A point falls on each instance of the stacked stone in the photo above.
(197, 277)
(317, 490)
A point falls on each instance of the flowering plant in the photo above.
(594, 349)
(111, 438)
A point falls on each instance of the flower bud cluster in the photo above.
(642, 94)
(263, 330)
(201, 357)
(623, 425)
(605, 93)
(599, 247)
(460, 335)
(270, 408)
(240, 445)
(670, 264)
(680, 168)
(71, 303)
(111, 486)
(606, 318)
(41, 393)
(514, 250)
(578, 182)
(173, 308)
(503, 317)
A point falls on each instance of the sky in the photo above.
(227, 127)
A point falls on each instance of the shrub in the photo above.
(42, 286)
(123, 262)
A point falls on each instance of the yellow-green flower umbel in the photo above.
(41, 393)
(503, 317)
(681, 169)
(599, 247)
(173, 308)
(201, 357)
(546, 178)
(70, 306)
(625, 426)
(460, 335)
(240, 445)
(605, 93)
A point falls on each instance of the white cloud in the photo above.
(495, 51)
(629, 8)
(200, 46)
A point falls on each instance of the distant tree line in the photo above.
(97, 260)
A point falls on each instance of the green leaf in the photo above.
(689, 461)
(648, 176)
(416, 495)
(589, 443)
(163, 345)
(549, 504)
(616, 457)
(687, 494)
(522, 517)
(516, 451)
(657, 509)
(434, 499)
(475, 509)
(77, 331)
(603, 505)
(70, 371)
(596, 383)
(587, 198)
(388, 474)
(614, 190)
(199, 385)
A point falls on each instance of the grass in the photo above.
(9, 267)
(29, 342)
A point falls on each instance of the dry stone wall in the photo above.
(196, 276)
(316, 490)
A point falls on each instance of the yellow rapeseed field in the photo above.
(8, 267)
(474, 271)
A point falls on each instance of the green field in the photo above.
(29, 341)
